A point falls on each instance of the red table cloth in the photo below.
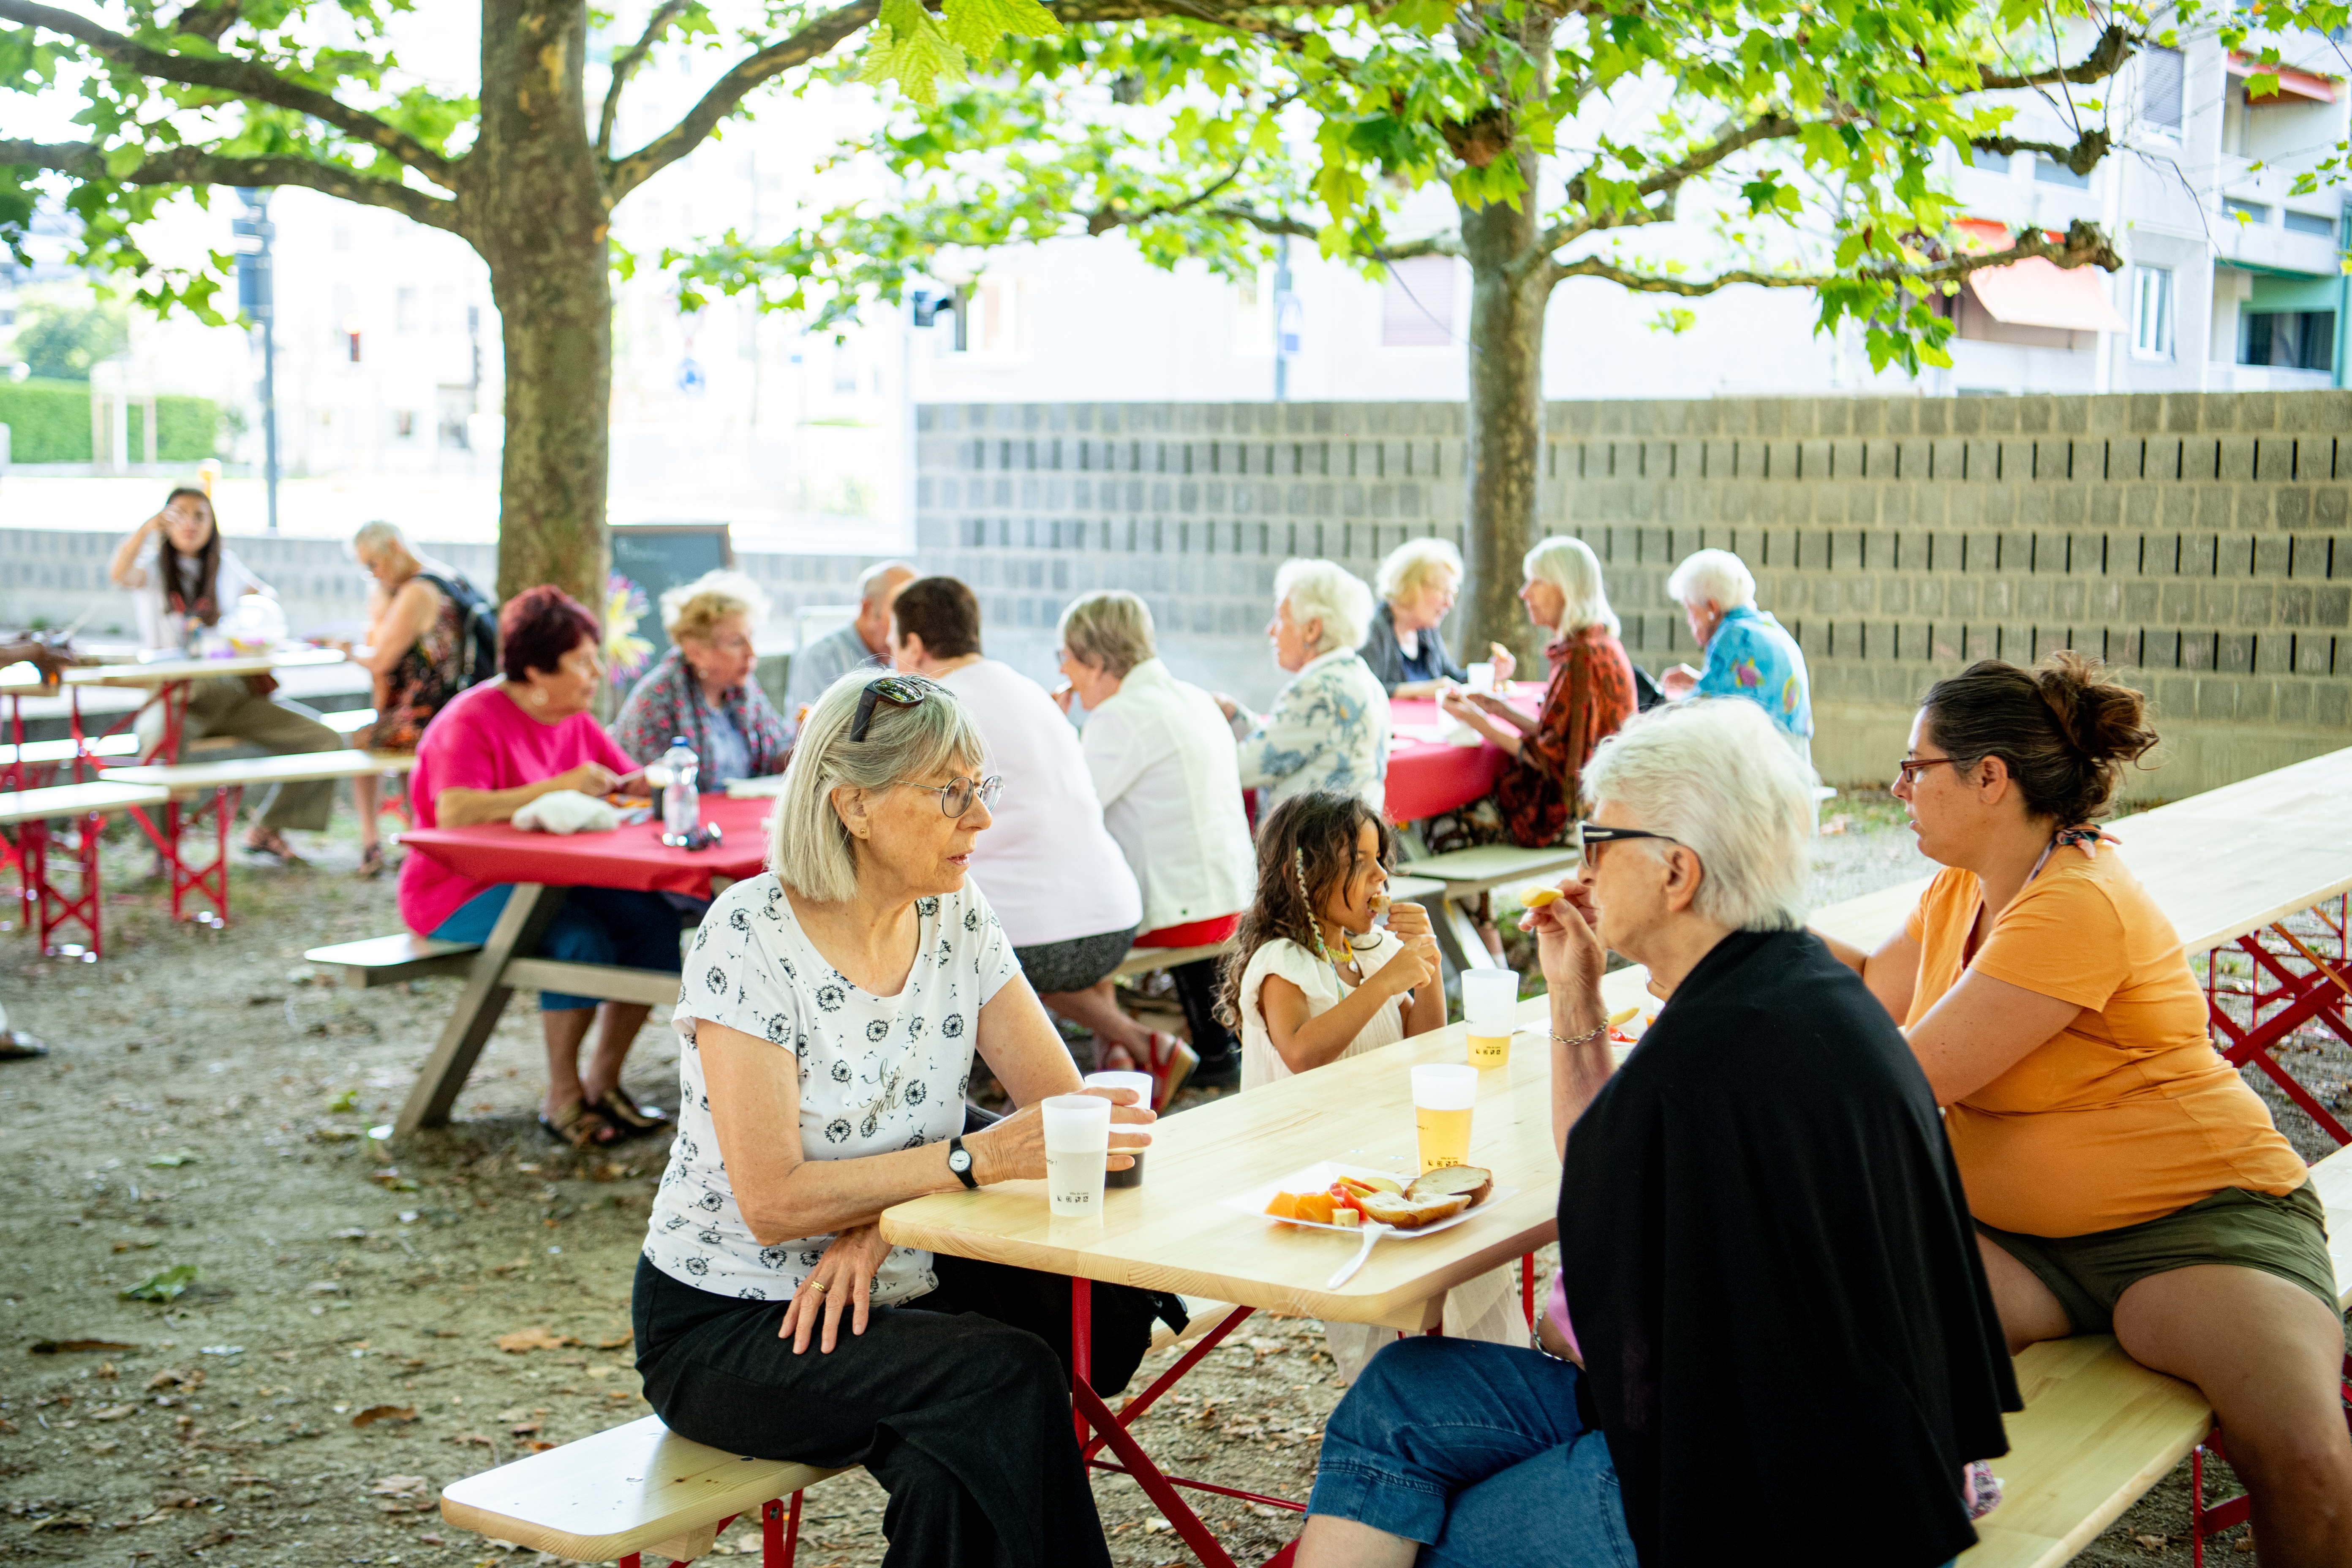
(632, 858)
(1428, 777)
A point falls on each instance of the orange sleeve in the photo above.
(1915, 924)
(2060, 938)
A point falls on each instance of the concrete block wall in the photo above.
(2199, 541)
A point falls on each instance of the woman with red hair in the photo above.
(496, 748)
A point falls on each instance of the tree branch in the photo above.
(828, 32)
(245, 78)
(2082, 157)
(625, 63)
(1435, 245)
(194, 166)
(1769, 127)
(2106, 58)
(2083, 245)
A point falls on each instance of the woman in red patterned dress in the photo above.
(1590, 698)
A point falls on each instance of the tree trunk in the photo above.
(533, 204)
(1507, 297)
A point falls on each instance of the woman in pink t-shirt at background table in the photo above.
(493, 749)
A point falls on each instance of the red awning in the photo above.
(2039, 293)
(2308, 85)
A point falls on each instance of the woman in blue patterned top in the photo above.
(1329, 727)
(1748, 653)
(838, 998)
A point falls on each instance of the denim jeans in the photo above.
(595, 925)
(1476, 1451)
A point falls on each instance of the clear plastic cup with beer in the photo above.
(1078, 1142)
(1443, 1095)
(1142, 1083)
(1490, 1001)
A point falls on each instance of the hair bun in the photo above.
(2103, 719)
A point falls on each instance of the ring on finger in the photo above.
(817, 1286)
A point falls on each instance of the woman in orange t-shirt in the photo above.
(2123, 1177)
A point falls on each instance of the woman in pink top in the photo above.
(494, 748)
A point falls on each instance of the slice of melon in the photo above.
(1536, 895)
(1284, 1206)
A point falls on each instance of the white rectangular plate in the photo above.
(1317, 1178)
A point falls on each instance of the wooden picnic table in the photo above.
(1171, 1235)
(542, 866)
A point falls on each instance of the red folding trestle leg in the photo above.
(51, 909)
(210, 881)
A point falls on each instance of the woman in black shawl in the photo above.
(1765, 1248)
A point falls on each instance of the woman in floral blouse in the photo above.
(703, 687)
(1590, 698)
(1329, 727)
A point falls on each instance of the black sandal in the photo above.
(371, 861)
(579, 1125)
(629, 1118)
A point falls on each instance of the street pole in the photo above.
(256, 296)
(1281, 326)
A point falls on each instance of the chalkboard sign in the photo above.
(654, 557)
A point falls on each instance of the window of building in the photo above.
(2319, 224)
(403, 423)
(2048, 171)
(1417, 304)
(2161, 79)
(2152, 313)
(1990, 163)
(406, 314)
(2288, 339)
(2249, 212)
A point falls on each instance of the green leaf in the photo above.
(910, 49)
(170, 1162)
(978, 25)
(168, 1286)
(347, 1100)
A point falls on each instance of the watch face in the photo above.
(959, 1160)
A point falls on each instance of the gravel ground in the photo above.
(334, 1353)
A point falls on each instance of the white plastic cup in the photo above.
(1481, 675)
(1078, 1140)
(1142, 1084)
(1490, 1001)
(1443, 1096)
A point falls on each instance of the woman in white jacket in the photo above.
(1167, 770)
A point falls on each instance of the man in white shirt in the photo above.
(863, 643)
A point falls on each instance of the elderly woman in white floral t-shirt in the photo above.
(1329, 727)
(842, 993)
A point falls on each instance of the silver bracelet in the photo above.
(1585, 1038)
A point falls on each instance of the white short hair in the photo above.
(1717, 776)
(1716, 575)
(869, 582)
(809, 848)
(1410, 565)
(1568, 564)
(1110, 630)
(1327, 592)
(694, 609)
(377, 535)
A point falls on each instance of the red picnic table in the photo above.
(542, 865)
(1428, 777)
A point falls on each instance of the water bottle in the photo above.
(681, 802)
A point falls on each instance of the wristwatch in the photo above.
(960, 1162)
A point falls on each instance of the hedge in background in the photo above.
(49, 422)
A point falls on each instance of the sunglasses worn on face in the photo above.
(1591, 835)
(957, 794)
(898, 690)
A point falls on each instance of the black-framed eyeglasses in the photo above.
(1590, 834)
(1908, 770)
(898, 690)
(957, 794)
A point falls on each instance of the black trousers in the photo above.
(1197, 985)
(957, 1402)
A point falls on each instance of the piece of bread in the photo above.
(1411, 1213)
(1447, 1180)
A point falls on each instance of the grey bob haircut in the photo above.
(809, 848)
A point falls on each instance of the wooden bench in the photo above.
(1144, 960)
(43, 904)
(185, 780)
(49, 754)
(2099, 1429)
(642, 1487)
(1463, 874)
(389, 960)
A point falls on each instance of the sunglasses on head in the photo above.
(898, 690)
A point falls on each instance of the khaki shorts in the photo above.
(2282, 1235)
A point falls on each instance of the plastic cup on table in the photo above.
(1142, 1083)
(1078, 1142)
(1443, 1096)
(1481, 675)
(1490, 999)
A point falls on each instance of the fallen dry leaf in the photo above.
(628, 1338)
(176, 1500)
(170, 1377)
(376, 1412)
(475, 1437)
(2150, 1542)
(67, 1347)
(112, 1412)
(535, 1338)
(393, 1486)
(538, 1447)
(63, 1522)
(6, 1424)
(524, 1429)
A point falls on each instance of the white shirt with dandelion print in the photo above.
(876, 1073)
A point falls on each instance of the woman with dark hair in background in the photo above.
(496, 748)
(183, 577)
(2123, 1178)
